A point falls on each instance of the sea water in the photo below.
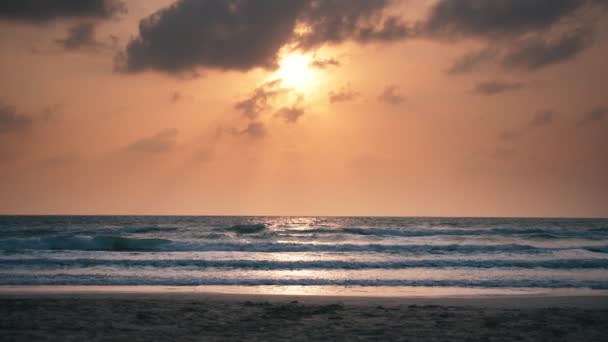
(304, 252)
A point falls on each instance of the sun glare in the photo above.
(294, 70)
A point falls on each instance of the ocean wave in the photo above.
(44, 263)
(247, 228)
(517, 232)
(102, 279)
(124, 244)
(84, 243)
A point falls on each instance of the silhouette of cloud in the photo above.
(231, 35)
(325, 63)
(291, 114)
(80, 36)
(175, 97)
(36, 11)
(496, 87)
(161, 142)
(526, 34)
(542, 118)
(595, 115)
(537, 52)
(12, 121)
(497, 18)
(259, 100)
(343, 95)
(389, 95)
(254, 129)
(471, 61)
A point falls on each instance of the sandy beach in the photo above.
(206, 316)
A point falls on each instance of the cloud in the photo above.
(524, 34)
(175, 97)
(37, 11)
(254, 129)
(259, 100)
(242, 35)
(343, 95)
(542, 118)
(537, 52)
(509, 135)
(12, 121)
(290, 114)
(496, 87)
(497, 18)
(325, 63)
(595, 115)
(503, 153)
(471, 61)
(389, 95)
(80, 36)
(158, 143)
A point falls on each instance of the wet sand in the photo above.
(122, 316)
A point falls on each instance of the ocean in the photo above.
(531, 254)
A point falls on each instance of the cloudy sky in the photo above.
(304, 107)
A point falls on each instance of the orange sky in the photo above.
(193, 116)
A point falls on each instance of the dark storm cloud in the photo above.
(80, 36)
(391, 96)
(342, 95)
(259, 100)
(497, 18)
(158, 143)
(542, 118)
(241, 35)
(596, 115)
(496, 87)
(45, 10)
(290, 114)
(12, 121)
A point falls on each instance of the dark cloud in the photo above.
(497, 18)
(496, 87)
(45, 10)
(391, 96)
(325, 63)
(595, 115)
(471, 61)
(343, 95)
(537, 52)
(12, 121)
(509, 135)
(254, 129)
(503, 153)
(259, 100)
(175, 97)
(542, 118)
(527, 34)
(291, 114)
(158, 143)
(336, 21)
(241, 35)
(80, 36)
(62, 160)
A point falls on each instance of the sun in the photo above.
(294, 70)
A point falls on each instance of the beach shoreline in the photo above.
(214, 316)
